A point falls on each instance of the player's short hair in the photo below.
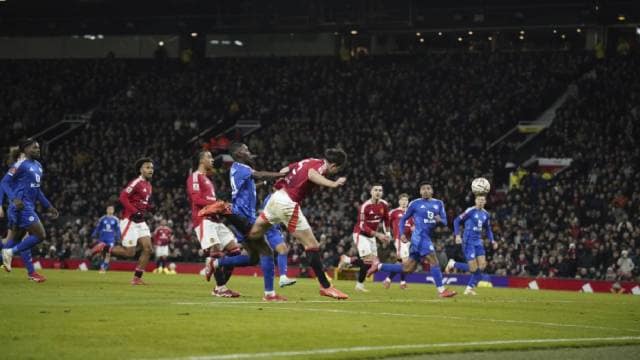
(403, 195)
(423, 183)
(233, 149)
(376, 183)
(141, 162)
(336, 156)
(23, 143)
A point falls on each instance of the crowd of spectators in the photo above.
(400, 119)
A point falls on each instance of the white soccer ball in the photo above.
(480, 186)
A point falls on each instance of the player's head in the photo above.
(426, 190)
(481, 201)
(403, 200)
(163, 222)
(240, 153)
(336, 158)
(111, 210)
(204, 159)
(145, 167)
(376, 191)
(30, 147)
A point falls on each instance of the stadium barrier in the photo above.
(587, 286)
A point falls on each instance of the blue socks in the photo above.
(268, 270)
(475, 278)
(282, 264)
(239, 260)
(26, 244)
(391, 268)
(437, 275)
(461, 266)
(28, 261)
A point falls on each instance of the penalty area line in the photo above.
(356, 349)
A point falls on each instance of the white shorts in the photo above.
(402, 249)
(366, 245)
(162, 251)
(211, 233)
(132, 231)
(282, 210)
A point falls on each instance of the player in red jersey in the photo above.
(365, 233)
(214, 236)
(402, 248)
(161, 237)
(284, 208)
(135, 231)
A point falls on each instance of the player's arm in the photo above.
(318, 179)
(403, 220)
(7, 184)
(487, 227)
(386, 221)
(96, 230)
(124, 199)
(116, 232)
(197, 196)
(443, 215)
(53, 212)
(261, 175)
(1, 201)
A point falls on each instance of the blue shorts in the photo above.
(472, 250)
(21, 218)
(109, 243)
(420, 248)
(274, 236)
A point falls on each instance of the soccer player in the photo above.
(284, 208)
(135, 231)
(402, 248)
(371, 213)
(16, 155)
(242, 176)
(21, 185)
(426, 212)
(161, 237)
(214, 236)
(475, 220)
(107, 232)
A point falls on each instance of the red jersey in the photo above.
(135, 197)
(162, 236)
(201, 193)
(297, 183)
(370, 215)
(395, 215)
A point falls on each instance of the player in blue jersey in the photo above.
(21, 185)
(277, 243)
(14, 156)
(244, 199)
(107, 232)
(476, 220)
(426, 212)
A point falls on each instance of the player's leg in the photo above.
(282, 250)
(312, 248)
(479, 263)
(404, 254)
(430, 255)
(8, 242)
(144, 243)
(158, 260)
(29, 223)
(387, 281)
(368, 252)
(106, 258)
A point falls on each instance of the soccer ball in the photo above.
(480, 186)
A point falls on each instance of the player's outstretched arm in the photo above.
(260, 175)
(318, 179)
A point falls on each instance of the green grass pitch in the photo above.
(84, 315)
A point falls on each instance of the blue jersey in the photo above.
(22, 181)
(475, 221)
(243, 191)
(107, 230)
(424, 213)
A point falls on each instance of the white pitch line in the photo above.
(445, 317)
(407, 301)
(400, 347)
